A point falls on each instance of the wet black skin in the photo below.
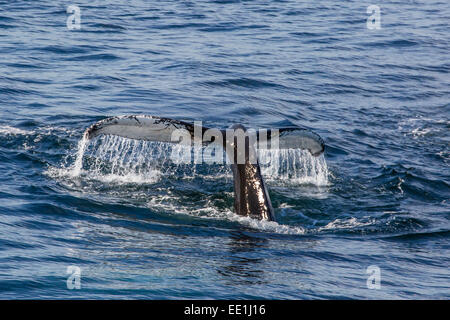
(250, 193)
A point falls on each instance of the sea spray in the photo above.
(113, 157)
(294, 166)
(121, 160)
(78, 164)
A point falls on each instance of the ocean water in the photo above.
(137, 226)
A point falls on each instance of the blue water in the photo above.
(379, 98)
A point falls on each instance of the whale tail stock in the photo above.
(251, 196)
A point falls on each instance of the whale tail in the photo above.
(251, 196)
(151, 128)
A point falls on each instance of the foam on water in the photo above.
(167, 203)
(419, 127)
(267, 226)
(8, 130)
(349, 223)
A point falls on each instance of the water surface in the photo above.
(143, 228)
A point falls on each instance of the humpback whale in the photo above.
(251, 197)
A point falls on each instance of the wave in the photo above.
(350, 223)
(419, 127)
(8, 130)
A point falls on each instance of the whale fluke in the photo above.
(251, 196)
(294, 138)
(139, 127)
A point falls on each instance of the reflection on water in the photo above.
(244, 260)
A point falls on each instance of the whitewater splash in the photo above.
(114, 160)
(76, 170)
(113, 156)
(294, 166)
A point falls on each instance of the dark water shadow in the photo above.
(244, 261)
